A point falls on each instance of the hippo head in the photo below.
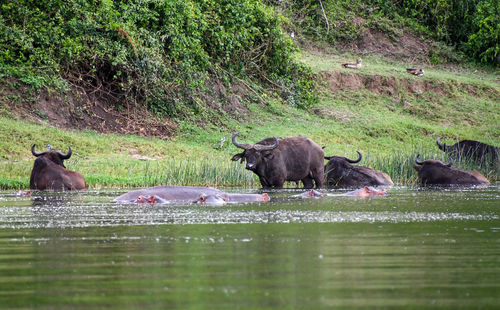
(211, 200)
(255, 154)
(151, 199)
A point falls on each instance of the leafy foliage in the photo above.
(155, 52)
(473, 26)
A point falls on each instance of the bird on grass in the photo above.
(417, 72)
(352, 65)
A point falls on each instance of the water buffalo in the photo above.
(435, 172)
(340, 173)
(49, 172)
(187, 194)
(470, 149)
(288, 159)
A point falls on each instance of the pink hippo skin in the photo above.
(366, 191)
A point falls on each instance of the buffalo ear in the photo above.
(239, 156)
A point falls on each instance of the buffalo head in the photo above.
(255, 154)
(56, 157)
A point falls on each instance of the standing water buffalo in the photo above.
(435, 172)
(49, 172)
(340, 173)
(470, 149)
(288, 159)
(187, 194)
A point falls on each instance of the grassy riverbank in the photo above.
(144, 93)
(389, 122)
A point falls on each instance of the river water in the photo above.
(414, 248)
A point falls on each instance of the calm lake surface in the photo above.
(413, 249)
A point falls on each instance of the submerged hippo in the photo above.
(311, 194)
(187, 194)
(366, 191)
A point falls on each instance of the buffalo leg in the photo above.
(308, 182)
(319, 176)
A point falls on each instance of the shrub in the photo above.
(159, 53)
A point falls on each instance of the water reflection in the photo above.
(411, 249)
(96, 208)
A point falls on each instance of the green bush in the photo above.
(156, 52)
(471, 25)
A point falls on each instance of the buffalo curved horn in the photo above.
(417, 161)
(35, 153)
(442, 146)
(450, 163)
(240, 145)
(260, 147)
(355, 161)
(67, 155)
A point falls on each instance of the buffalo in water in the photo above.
(341, 173)
(470, 150)
(288, 159)
(187, 194)
(49, 172)
(435, 172)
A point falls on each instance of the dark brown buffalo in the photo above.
(435, 172)
(470, 150)
(341, 173)
(49, 172)
(288, 159)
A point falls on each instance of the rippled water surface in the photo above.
(414, 248)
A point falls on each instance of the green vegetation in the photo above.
(389, 124)
(472, 26)
(158, 53)
(184, 59)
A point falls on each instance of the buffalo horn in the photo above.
(442, 146)
(260, 147)
(65, 156)
(354, 161)
(35, 153)
(417, 161)
(240, 145)
(450, 163)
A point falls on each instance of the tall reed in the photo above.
(215, 172)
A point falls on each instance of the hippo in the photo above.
(366, 191)
(187, 194)
(311, 194)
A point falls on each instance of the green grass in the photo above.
(389, 129)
